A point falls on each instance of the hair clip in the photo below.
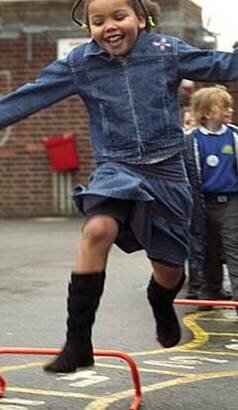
(151, 21)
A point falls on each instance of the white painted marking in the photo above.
(10, 407)
(232, 346)
(230, 315)
(198, 359)
(17, 401)
(184, 362)
(167, 364)
(84, 378)
(213, 360)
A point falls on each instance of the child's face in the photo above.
(114, 25)
(220, 114)
(187, 119)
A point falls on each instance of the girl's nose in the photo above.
(109, 25)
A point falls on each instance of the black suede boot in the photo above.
(84, 294)
(161, 301)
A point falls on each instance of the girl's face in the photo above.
(114, 25)
(220, 114)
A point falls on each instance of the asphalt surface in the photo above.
(36, 260)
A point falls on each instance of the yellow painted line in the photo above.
(20, 366)
(102, 404)
(41, 392)
(223, 334)
(215, 353)
(201, 337)
(145, 370)
(204, 319)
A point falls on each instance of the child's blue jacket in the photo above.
(193, 168)
(132, 101)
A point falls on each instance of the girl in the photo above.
(138, 196)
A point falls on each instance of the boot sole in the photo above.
(64, 369)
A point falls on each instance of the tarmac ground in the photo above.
(36, 260)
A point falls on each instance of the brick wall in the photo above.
(26, 187)
(26, 176)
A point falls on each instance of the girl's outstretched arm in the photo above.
(53, 84)
(206, 65)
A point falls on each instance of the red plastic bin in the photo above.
(62, 152)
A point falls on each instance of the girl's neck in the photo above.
(213, 126)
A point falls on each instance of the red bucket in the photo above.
(62, 152)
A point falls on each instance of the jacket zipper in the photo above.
(132, 105)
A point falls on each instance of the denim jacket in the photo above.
(132, 100)
(193, 168)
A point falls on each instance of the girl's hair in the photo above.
(149, 9)
(203, 99)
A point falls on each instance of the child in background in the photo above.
(139, 196)
(185, 91)
(211, 159)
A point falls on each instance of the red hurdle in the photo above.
(196, 302)
(137, 399)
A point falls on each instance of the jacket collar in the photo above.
(205, 131)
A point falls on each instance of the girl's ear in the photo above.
(142, 22)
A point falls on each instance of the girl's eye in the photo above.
(96, 22)
(119, 17)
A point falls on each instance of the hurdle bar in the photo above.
(137, 399)
(197, 302)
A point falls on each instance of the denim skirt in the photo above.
(153, 203)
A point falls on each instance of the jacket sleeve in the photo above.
(53, 84)
(206, 65)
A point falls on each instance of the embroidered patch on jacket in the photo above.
(162, 44)
(227, 149)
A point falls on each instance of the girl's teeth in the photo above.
(113, 39)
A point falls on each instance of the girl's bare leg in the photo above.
(84, 293)
(96, 239)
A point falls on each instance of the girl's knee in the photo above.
(100, 229)
(168, 275)
(166, 268)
